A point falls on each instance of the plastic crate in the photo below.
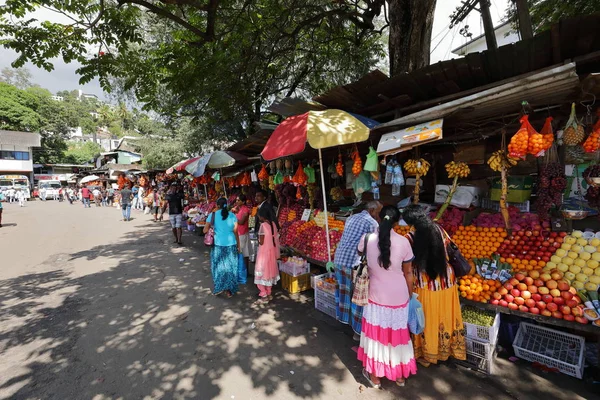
(552, 348)
(325, 302)
(487, 334)
(480, 356)
(323, 285)
(294, 269)
(295, 284)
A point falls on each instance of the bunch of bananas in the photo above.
(499, 159)
(457, 169)
(417, 167)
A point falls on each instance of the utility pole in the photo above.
(524, 19)
(488, 25)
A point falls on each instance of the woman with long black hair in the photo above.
(224, 254)
(266, 273)
(385, 346)
(435, 283)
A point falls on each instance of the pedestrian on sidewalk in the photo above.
(70, 195)
(157, 203)
(21, 197)
(140, 196)
(126, 196)
(134, 191)
(97, 196)
(435, 283)
(242, 213)
(2, 198)
(385, 346)
(174, 200)
(266, 273)
(85, 197)
(11, 195)
(224, 254)
(43, 193)
(346, 259)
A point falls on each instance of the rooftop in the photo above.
(16, 138)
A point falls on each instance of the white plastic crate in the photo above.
(294, 269)
(487, 334)
(480, 355)
(325, 295)
(552, 348)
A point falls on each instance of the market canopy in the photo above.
(89, 178)
(215, 160)
(180, 166)
(322, 129)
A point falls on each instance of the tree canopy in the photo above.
(544, 13)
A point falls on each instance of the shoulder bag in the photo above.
(360, 288)
(209, 237)
(459, 263)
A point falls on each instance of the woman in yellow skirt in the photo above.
(435, 283)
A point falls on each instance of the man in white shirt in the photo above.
(140, 194)
(96, 193)
(21, 197)
(11, 195)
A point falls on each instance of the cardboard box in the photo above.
(519, 189)
(470, 154)
(464, 197)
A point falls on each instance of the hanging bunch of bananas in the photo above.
(499, 159)
(417, 167)
(457, 169)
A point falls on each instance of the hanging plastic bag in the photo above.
(547, 134)
(371, 164)
(362, 183)
(300, 177)
(242, 270)
(416, 317)
(310, 174)
(592, 143)
(517, 148)
(535, 141)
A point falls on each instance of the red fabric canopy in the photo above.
(287, 139)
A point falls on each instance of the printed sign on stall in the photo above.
(407, 138)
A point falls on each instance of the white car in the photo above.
(51, 187)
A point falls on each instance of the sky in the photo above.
(64, 77)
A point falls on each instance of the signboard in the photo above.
(52, 177)
(406, 139)
(305, 214)
(13, 177)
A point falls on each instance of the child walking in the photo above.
(266, 273)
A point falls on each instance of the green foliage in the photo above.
(161, 153)
(19, 77)
(545, 13)
(81, 153)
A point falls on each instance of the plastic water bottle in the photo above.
(389, 172)
(375, 190)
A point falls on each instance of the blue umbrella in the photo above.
(368, 122)
(197, 167)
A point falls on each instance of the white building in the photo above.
(16, 155)
(505, 34)
(81, 95)
(58, 98)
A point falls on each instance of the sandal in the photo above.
(228, 294)
(401, 383)
(423, 362)
(368, 378)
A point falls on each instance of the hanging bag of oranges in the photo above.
(547, 134)
(519, 143)
(357, 166)
(592, 143)
(300, 177)
(535, 141)
(263, 175)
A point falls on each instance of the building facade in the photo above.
(505, 34)
(16, 152)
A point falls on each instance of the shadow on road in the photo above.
(150, 328)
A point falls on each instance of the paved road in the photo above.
(92, 307)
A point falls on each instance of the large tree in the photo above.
(544, 13)
(220, 62)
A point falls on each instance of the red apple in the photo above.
(496, 296)
(546, 313)
(551, 307)
(541, 305)
(566, 295)
(559, 301)
(557, 314)
(569, 317)
(577, 299)
(503, 290)
(515, 292)
(547, 298)
(534, 310)
(503, 303)
(538, 282)
(573, 290)
(532, 288)
(551, 284)
(513, 306)
(563, 285)
(528, 281)
(522, 287)
(519, 301)
(555, 293)
(526, 294)
(581, 320)
(513, 281)
(530, 303)
(536, 297)
(509, 298)
(572, 303)
(565, 309)
(495, 302)
(523, 309)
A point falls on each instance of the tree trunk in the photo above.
(411, 22)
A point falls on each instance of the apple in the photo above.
(559, 301)
(523, 309)
(513, 306)
(555, 293)
(496, 296)
(573, 291)
(551, 307)
(569, 317)
(581, 320)
(563, 285)
(534, 310)
(546, 313)
(547, 298)
(557, 275)
(572, 303)
(541, 305)
(502, 291)
(509, 298)
(565, 309)
(519, 301)
(532, 288)
(495, 302)
(515, 292)
(526, 294)
(566, 295)
(536, 297)
(534, 274)
(528, 281)
(551, 284)
(513, 282)
(507, 286)
(530, 303)
(557, 314)
(539, 282)
(545, 277)
(503, 303)
(522, 287)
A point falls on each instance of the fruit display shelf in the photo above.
(310, 260)
(550, 321)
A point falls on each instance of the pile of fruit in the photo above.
(530, 250)
(519, 221)
(290, 214)
(578, 259)
(402, 230)
(545, 293)
(333, 223)
(552, 182)
(475, 316)
(309, 239)
(474, 287)
(417, 167)
(478, 242)
(457, 169)
(451, 220)
(500, 159)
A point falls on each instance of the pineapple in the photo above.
(574, 132)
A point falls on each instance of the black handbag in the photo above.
(459, 263)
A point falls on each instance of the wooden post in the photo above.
(488, 25)
(524, 19)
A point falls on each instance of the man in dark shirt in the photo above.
(126, 202)
(175, 202)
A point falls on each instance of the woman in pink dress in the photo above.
(266, 273)
(386, 349)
